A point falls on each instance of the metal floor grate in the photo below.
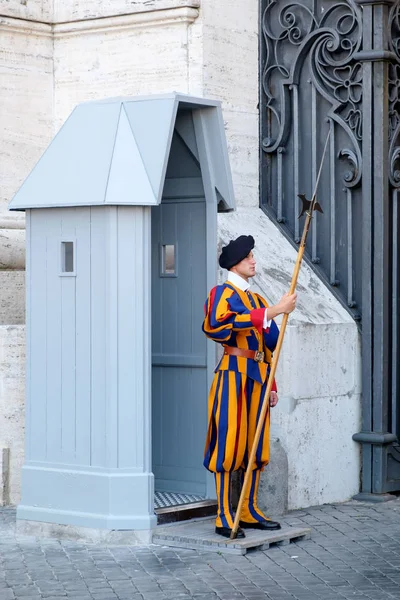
(167, 499)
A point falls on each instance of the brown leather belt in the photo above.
(253, 354)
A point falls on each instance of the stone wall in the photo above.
(33, 10)
(230, 74)
(26, 101)
(12, 392)
(123, 56)
(26, 123)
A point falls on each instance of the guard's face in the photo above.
(247, 267)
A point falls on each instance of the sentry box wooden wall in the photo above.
(121, 248)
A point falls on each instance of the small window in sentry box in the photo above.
(68, 258)
(168, 260)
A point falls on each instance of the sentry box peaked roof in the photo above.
(115, 152)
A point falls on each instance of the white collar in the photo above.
(238, 281)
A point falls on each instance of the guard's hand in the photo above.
(273, 399)
(288, 303)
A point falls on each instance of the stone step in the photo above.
(200, 535)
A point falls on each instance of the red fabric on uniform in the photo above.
(257, 318)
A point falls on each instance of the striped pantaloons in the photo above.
(234, 407)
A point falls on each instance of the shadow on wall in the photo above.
(273, 490)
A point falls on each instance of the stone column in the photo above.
(26, 65)
(12, 354)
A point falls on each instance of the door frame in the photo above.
(211, 249)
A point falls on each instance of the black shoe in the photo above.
(263, 525)
(226, 532)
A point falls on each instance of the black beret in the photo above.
(236, 251)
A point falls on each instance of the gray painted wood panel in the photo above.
(83, 398)
(28, 356)
(53, 334)
(111, 327)
(98, 266)
(134, 357)
(69, 346)
(87, 339)
(179, 394)
(90, 366)
(179, 425)
(129, 451)
(38, 346)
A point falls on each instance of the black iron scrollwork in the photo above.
(394, 97)
(353, 175)
(394, 28)
(329, 38)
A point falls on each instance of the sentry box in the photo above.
(121, 224)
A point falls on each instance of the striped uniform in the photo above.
(235, 318)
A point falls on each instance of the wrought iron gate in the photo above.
(328, 65)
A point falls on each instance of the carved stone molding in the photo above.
(12, 220)
(12, 249)
(151, 18)
(76, 10)
(144, 19)
(22, 26)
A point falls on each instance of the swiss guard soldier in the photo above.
(240, 320)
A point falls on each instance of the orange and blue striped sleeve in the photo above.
(225, 313)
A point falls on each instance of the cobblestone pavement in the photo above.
(354, 552)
